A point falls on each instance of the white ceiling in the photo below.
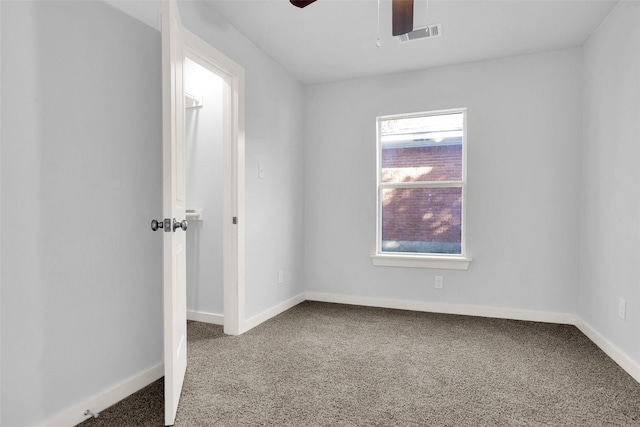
(333, 40)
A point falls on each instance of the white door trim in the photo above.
(215, 61)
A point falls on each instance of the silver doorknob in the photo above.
(183, 225)
(165, 224)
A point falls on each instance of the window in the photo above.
(421, 190)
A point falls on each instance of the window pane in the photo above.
(420, 149)
(422, 220)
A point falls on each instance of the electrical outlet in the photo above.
(439, 282)
(622, 308)
(280, 277)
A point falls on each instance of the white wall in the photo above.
(524, 122)
(80, 171)
(204, 190)
(610, 179)
(81, 179)
(274, 135)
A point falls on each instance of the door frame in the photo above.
(233, 231)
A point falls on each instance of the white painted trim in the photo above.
(433, 307)
(254, 321)
(201, 316)
(75, 414)
(380, 258)
(233, 74)
(421, 261)
(620, 357)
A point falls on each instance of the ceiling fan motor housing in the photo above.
(402, 14)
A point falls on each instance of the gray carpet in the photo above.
(334, 365)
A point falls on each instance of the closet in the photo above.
(204, 192)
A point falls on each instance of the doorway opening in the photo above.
(204, 140)
(214, 139)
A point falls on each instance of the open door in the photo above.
(174, 225)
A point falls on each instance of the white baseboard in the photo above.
(426, 306)
(254, 321)
(98, 403)
(200, 316)
(620, 357)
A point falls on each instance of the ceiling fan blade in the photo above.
(302, 3)
(402, 11)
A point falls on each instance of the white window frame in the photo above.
(405, 259)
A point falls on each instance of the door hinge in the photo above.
(235, 219)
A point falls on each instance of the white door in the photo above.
(175, 294)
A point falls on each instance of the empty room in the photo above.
(319, 213)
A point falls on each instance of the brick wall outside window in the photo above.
(422, 214)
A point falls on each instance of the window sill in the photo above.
(418, 261)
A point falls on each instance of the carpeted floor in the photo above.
(324, 364)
